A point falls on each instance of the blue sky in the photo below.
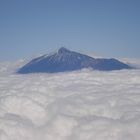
(110, 28)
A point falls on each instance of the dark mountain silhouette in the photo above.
(66, 60)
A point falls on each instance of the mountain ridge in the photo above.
(67, 60)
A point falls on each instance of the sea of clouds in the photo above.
(80, 105)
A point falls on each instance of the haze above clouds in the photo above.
(80, 105)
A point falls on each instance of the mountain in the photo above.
(66, 60)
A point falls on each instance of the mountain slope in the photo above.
(66, 60)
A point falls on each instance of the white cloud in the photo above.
(82, 105)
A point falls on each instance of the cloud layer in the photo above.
(82, 105)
